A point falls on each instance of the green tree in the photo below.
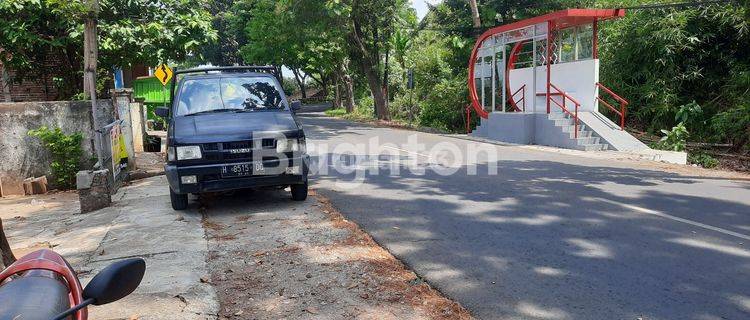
(226, 50)
(130, 31)
(302, 35)
(667, 58)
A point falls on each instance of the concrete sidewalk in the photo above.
(139, 224)
(175, 251)
(266, 256)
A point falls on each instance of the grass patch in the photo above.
(335, 112)
(359, 114)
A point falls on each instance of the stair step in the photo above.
(478, 131)
(595, 147)
(587, 140)
(581, 134)
(571, 128)
(557, 116)
(563, 122)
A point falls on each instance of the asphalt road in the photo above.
(550, 236)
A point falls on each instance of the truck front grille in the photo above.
(235, 151)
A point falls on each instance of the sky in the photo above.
(421, 6)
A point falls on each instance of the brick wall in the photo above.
(40, 88)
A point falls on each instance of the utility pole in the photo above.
(90, 55)
(475, 14)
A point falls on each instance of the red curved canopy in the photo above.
(557, 20)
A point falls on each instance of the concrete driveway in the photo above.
(551, 235)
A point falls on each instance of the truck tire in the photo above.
(179, 201)
(299, 192)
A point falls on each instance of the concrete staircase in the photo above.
(586, 140)
(595, 133)
(555, 129)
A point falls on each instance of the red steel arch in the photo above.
(557, 20)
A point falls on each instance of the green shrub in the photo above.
(702, 159)
(733, 126)
(290, 87)
(444, 107)
(692, 116)
(363, 110)
(675, 139)
(66, 152)
(662, 59)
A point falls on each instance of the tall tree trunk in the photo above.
(348, 84)
(324, 84)
(475, 13)
(337, 90)
(322, 81)
(300, 81)
(348, 93)
(385, 78)
(6, 84)
(8, 257)
(90, 53)
(368, 63)
(373, 81)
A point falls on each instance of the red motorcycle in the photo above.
(43, 286)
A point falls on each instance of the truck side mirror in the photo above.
(162, 112)
(296, 105)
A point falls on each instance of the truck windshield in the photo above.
(233, 94)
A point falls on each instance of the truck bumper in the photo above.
(209, 178)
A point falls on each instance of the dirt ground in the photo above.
(148, 164)
(272, 258)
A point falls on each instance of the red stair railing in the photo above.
(623, 104)
(565, 97)
(514, 103)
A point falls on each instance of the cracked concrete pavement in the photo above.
(139, 224)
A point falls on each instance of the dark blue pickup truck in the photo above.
(232, 128)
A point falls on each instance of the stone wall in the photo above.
(22, 156)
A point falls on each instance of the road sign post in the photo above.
(164, 74)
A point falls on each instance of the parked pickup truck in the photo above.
(232, 128)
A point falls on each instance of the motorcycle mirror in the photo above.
(116, 281)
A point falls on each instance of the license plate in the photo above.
(242, 170)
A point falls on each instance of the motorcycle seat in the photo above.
(33, 298)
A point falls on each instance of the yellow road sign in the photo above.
(163, 73)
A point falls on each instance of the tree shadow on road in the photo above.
(550, 240)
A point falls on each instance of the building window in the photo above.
(575, 43)
(499, 78)
(566, 43)
(585, 42)
(487, 101)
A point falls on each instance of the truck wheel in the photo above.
(299, 192)
(179, 201)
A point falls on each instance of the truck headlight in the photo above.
(290, 145)
(188, 152)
